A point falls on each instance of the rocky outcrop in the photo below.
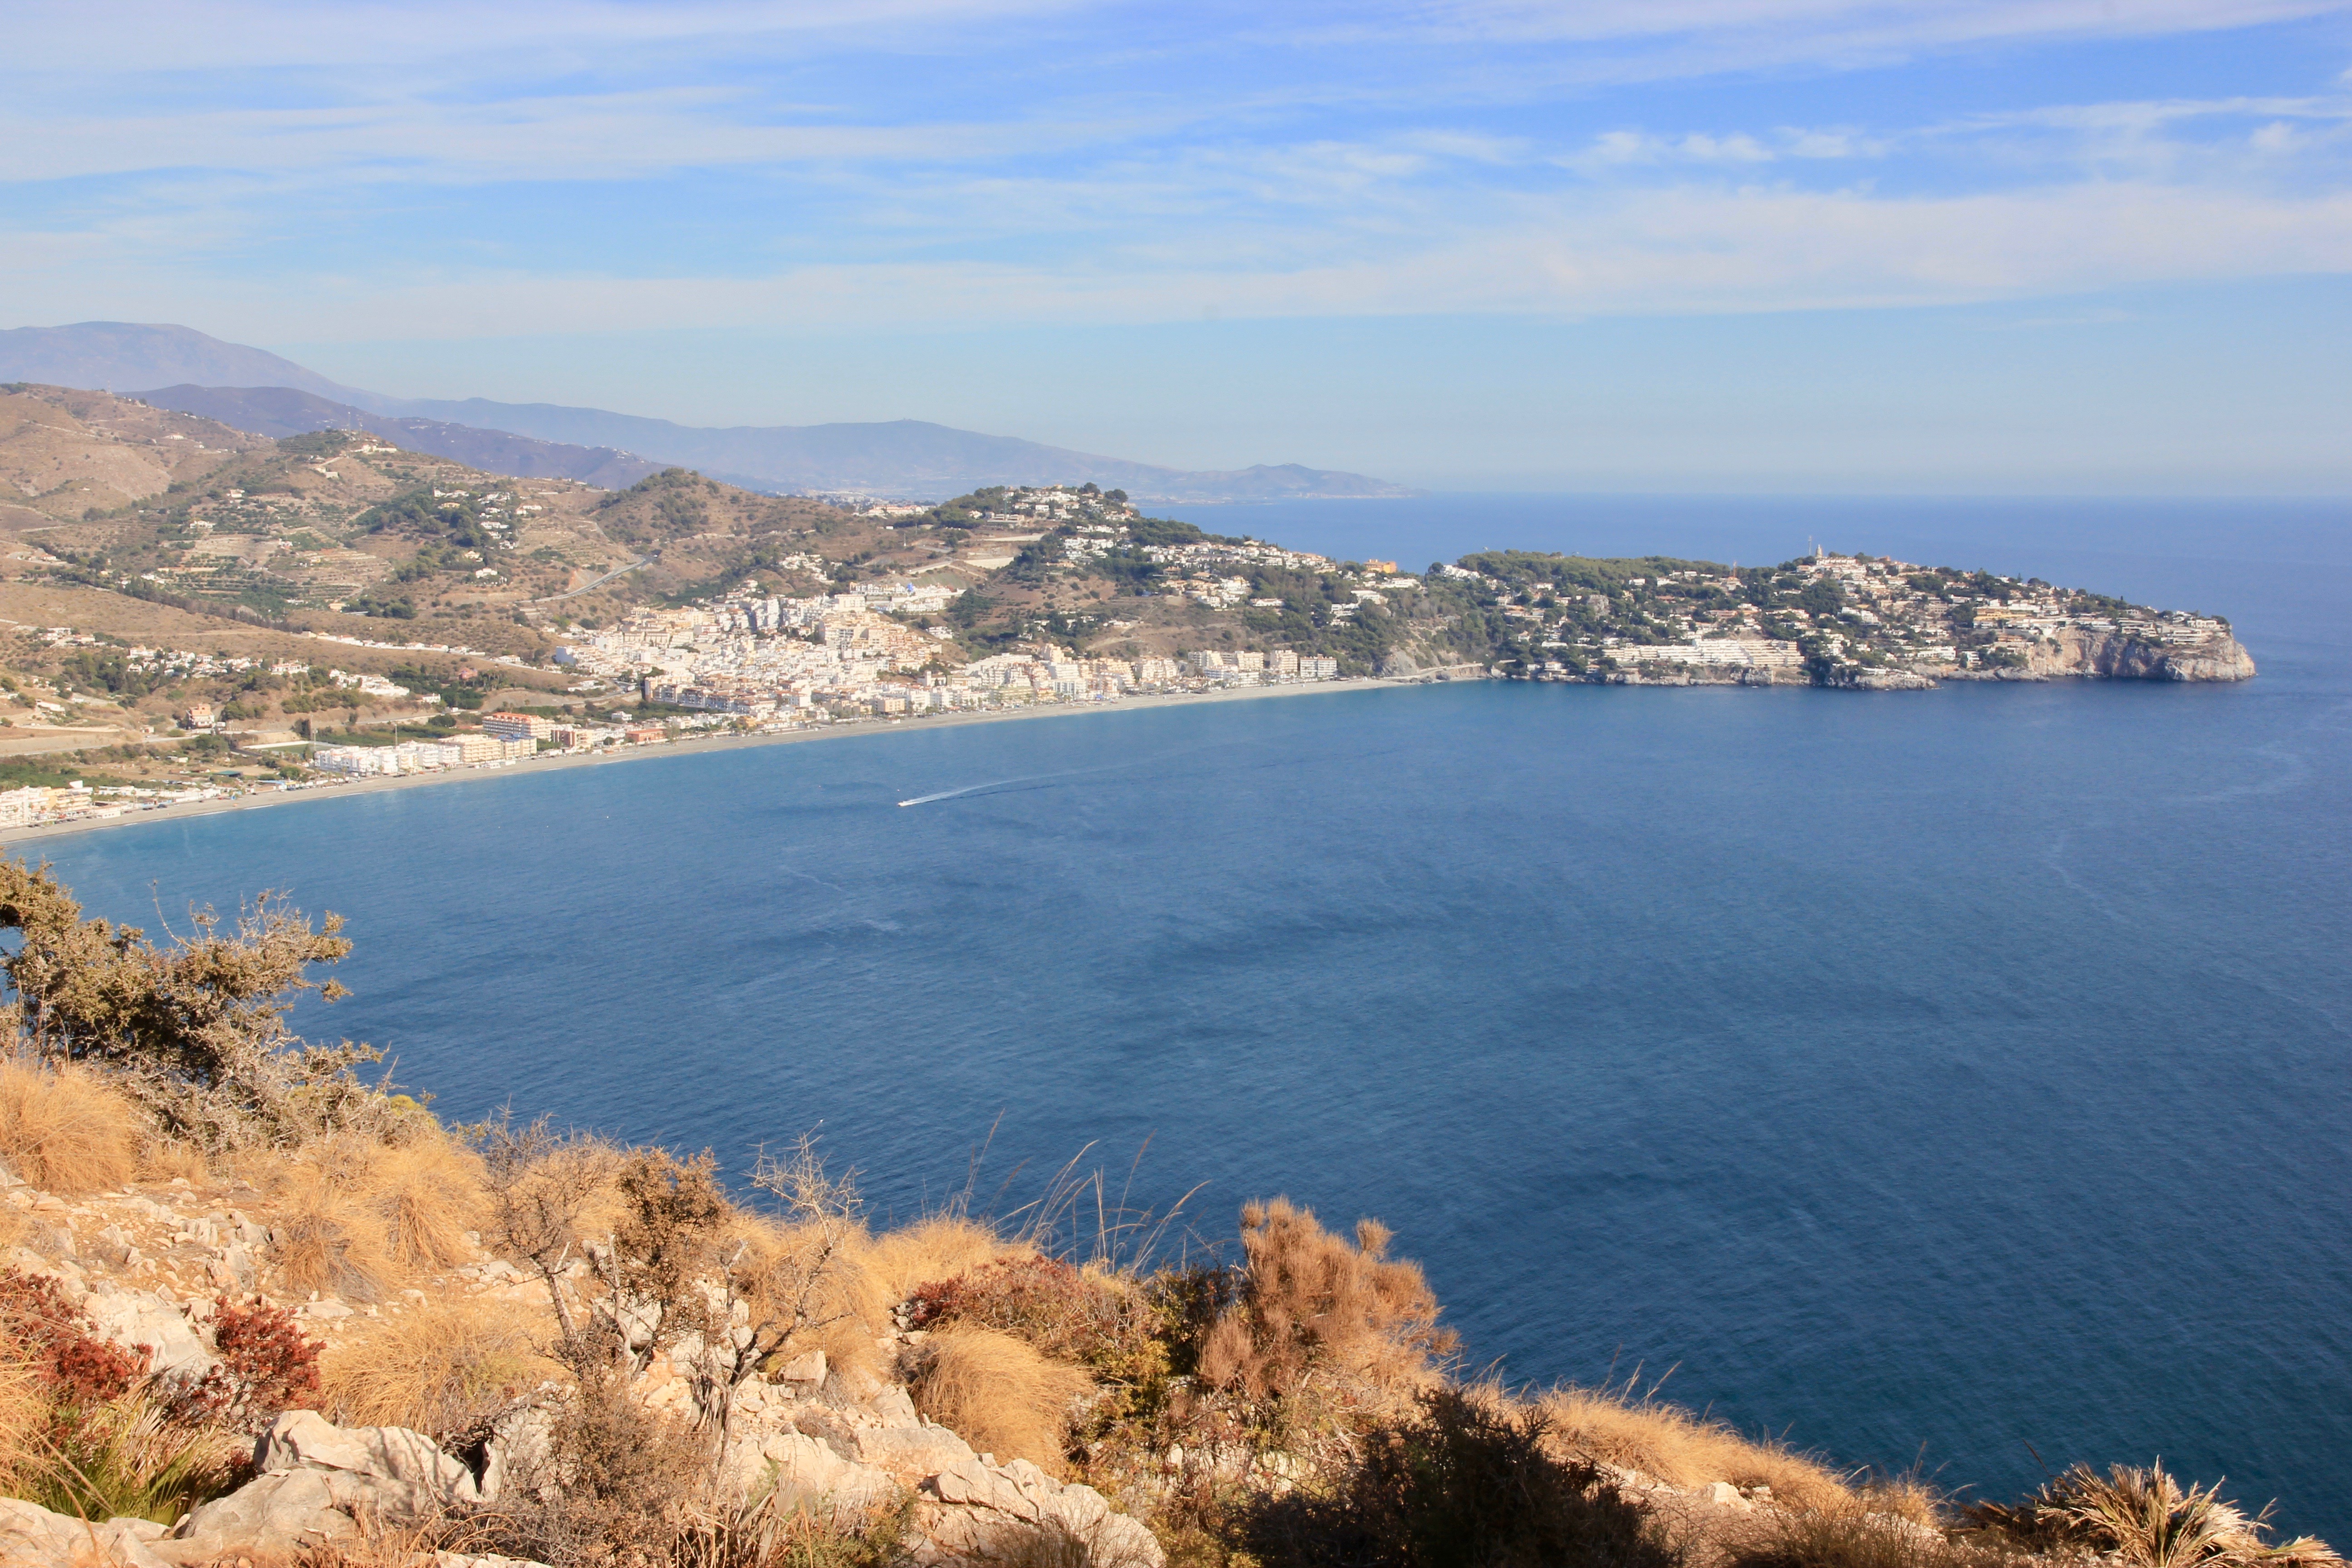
(973, 1513)
(2113, 656)
(320, 1483)
(33, 1537)
(852, 1442)
(145, 1266)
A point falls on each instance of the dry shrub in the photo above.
(845, 1304)
(64, 1130)
(769, 1532)
(999, 1394)
(1067, 1313)
(1464, 1482)
(1673, 1446)
(76, 1371)
(1852, 1539)
(1311, 1302)
(444, 1369)
(900, 1262)
(611, 1489)
(267, 1365)
(545, 1195)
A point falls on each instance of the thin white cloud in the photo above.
(1838, 27)
(583, 136)
(245, 36)
(1631, 39)
(1673, 251)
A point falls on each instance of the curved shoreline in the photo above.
(555, 760)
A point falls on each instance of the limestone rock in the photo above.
(973, 1512)
(520, 1443)
(805, 1376)
(2076, 651)
(131, 1318)
(405, 1461)
(318, 1483)
(806, 1470)
(33, 1537)
(923, 1451)
(893, 1408)
(269, 1516)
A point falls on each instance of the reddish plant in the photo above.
(1044, 1300)
(266, 1366)
(79, 1369)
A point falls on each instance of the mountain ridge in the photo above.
(919, 459)
(282, 411)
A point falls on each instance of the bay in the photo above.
(1917, 1076)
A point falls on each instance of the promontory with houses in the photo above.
(188, 609)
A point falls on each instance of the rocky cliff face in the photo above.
(2113, 656)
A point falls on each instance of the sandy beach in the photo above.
(612, 756)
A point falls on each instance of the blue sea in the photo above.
(1955, 1077)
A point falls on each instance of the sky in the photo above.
(1938, 247)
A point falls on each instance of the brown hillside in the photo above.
(64, 452)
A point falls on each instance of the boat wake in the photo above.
(1039, 780)
(967, 789)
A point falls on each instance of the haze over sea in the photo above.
(1920, 1076)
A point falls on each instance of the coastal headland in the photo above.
(206, 619)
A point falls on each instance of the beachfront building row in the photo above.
(421, 756)
(76, 801)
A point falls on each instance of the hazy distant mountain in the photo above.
(278, 411)
(116, 356)
(903, 457)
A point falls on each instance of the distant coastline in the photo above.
(555, 760)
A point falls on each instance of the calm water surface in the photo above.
(1916, 1075)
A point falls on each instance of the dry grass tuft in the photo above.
(770, 1533)
(2148, 1520)
(1673, 1446)
(361, 1215)
(127, 1459)
(324, 1242)
(1000, 1394)
(25, 1405)
(65, 1132)
(441, 1369)
(162, 1158)
(426, 1194)
(945, 1246)
(1857, 1539)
